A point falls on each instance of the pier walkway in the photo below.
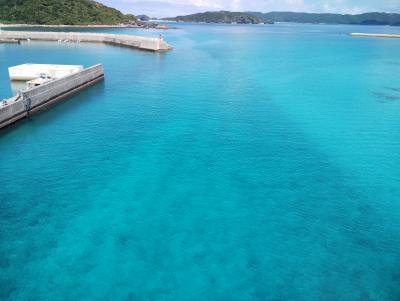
(144, 43)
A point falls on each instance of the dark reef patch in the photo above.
(395, 89)
(383, 97)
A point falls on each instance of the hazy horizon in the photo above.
(172, 8)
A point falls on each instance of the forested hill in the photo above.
(257, 17)
(361, 19)
(220, 17)
(56, 12)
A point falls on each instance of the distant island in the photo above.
(222, 17)
(271, 17)
(143, 18)
(66, 12)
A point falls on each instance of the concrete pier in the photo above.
(36, 99)
(144, 43)
(9, 41)
(375, 35)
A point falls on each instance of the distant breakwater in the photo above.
(143, 43)
(375, 35)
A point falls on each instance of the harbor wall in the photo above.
(144, 43)
(33, 100)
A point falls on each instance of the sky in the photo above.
(172, 8)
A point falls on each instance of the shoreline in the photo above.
(162, 27)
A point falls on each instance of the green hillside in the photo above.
(220, 17)
(257, 17)
(361, 19)
(55, 12)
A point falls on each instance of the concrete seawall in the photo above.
(375, 35)
(151, 44)
(33, 100)
(10, 41)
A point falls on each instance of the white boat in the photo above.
(27, 72)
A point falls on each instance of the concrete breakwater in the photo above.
(144, 43)
(11, 41)
(35, 99)
(375, 35)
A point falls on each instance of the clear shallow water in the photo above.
(250, 163)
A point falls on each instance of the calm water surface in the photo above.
(250, 163)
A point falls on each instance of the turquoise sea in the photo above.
(249, 163)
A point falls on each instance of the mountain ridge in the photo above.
(372, 18)
(220, 17)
